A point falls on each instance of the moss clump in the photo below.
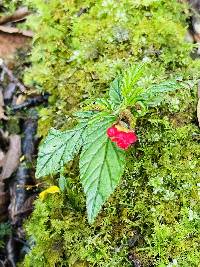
(7, 6)
(153, 215)
(79, 46)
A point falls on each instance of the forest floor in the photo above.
(18, 141)
(18, 128)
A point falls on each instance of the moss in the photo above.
(79, 46)
(9, 7)
(153, 215)
(157, 201)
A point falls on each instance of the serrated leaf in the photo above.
(85, 114)
(103, 104)
(154, 95)
(115, 92)
(130, 78)
(58, 149)
(161, 88)
(133, 96)
(100, 116)
(101, 167)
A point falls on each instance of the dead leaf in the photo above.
(9, 43)
(9, 91)
(11, 76)
(11, 30)
(19, 14)
(4, 197)
(2, 158)
(20, 99)
(12, 157)
(2, 115)
(4, 201)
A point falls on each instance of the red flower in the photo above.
(131, 137)
(112, 131)
(123, 144)
(122, 136)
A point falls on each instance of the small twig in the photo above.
(2, 75)
(31, 102)
(82, 11)
(11, 76)
(18, 15)
(20, 212)
(11, 30)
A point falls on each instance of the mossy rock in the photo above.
(79, 46)
(152, 217)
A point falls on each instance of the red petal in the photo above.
(121, 135)
(112, 131)
(114, 139)
(131, 137)
(123, 145)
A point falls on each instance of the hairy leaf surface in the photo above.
(85, 115)
(115, 92)
(58, 149)
(130, 78)
(101, 167)
(154, 93)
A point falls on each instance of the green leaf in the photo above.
(100, 116)
(130, 78)
(87, 114)
(101, 166)
(103, 104)
(161, 88)
(62, 182)
(58, 149)
(132, 98)
(115, 92)
(154, 95)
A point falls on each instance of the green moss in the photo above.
(75, 56)
(157, 199)
(9, 7)
(4, 231)
(153, 215)
(156, 202)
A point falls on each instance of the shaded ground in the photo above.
(18, 143)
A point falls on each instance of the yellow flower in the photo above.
(50, 190)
